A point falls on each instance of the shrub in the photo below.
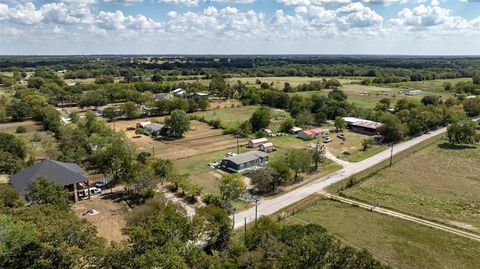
(21, 129)
(212, 199)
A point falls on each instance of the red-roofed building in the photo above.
(313, 133)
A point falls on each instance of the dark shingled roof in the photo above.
(58, 172)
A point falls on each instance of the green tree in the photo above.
(340, 124)
(178, 123)
(462, 131)
(260, 118)
(11, 144)
(472, 106)
(231, 186)
(214, 224)
(304, 118)
(117, 160)
(9, 197)
(392, 128)
(318, 154)
(44, 191)
(367, 143)
(287, 125)
(130, 110)
(298, 160)
(264, 179)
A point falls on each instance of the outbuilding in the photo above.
(254, 143)
(153, 128)
(362, 126)
(296, 130)
(313, 133)
(267, 147)
(66, 174)
(244, 161)
(162, 96)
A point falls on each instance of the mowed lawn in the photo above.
(398, 243)
(437, 182)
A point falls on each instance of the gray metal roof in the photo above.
(154, 127)
(246, 157)
(58, 172)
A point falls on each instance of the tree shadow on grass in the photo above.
(449, 146)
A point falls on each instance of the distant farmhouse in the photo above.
(69, 175)
(196, 96)
(162, 96)
(244, 161)
(362, 126)
(179, 92)
(313, 133)
(414, 92)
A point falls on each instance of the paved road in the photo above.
(270, 206)
(399, 215)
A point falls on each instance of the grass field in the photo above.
(437, 182)
(231, 117)
(398, 243)
(368, 96)
(430, 85)
(36, 148)
(278, 82)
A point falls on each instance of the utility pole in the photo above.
(245, 229)
(153, 151)
(391, 155)
(238, 145)
(256, 209)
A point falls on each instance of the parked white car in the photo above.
(93, 191)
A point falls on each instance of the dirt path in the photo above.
(395, 214)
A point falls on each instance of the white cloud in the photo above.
(180, 2)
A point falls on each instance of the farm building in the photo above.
(313, 133)
(362, 126)
(153, 128)
(69, 175)
(254, 143)
(268, 131)
(244, 161)
(267, 147)
(197, 95)
(162, 96)
(143, 124)
(414, 92)
(179, 92)
(295, 130)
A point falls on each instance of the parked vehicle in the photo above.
(327, 140)
(93, 191)
(103, 182)
(341, 136)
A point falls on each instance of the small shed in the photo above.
(267, 147)
(296, 130)
(268, 131)
(254, 143)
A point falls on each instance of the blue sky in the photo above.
(415, 27)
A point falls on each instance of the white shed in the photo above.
(257, 142)
(267, 147)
